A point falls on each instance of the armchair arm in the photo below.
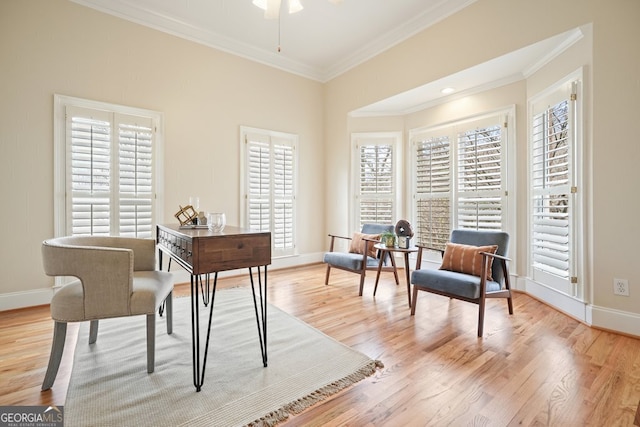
(106, 275)
(488, 257)
(333, 239)
(504, 258)
(428, 248)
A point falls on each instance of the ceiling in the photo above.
(319, 42)
(324, 39)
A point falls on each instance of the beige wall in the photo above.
(59, 47)
(49, 47)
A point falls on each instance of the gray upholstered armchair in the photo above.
(118, 278)
(474, 268)
(362, 256)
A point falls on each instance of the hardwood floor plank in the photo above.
(535, 368)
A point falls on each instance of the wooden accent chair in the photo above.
(474, 268)
(117, 278)
(362, 256)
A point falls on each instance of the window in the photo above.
(269, 185)
(375, 178)
(106, 173)
(554, 187)
(459, 178)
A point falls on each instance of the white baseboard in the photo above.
(13, 300)
(615, 320)
(598, 317)
(563, 302)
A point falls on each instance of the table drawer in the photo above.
(179, 246)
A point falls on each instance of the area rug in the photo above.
(109, 384)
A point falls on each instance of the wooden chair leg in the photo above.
(414, 300)
(481, 318)
(326, 279)
(362, 275)
(93, 331)
(168, 302)
(59, 335)
(151, 342)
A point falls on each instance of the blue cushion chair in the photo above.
(359, 262)
(468, 287)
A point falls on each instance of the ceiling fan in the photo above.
(272, 7)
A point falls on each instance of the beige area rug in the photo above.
(109, 384)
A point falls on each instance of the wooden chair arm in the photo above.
(496, 256)
(339, 237)
(428, 248)
(333, 239)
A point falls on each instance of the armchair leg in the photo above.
(481, 318)
(59, 335)
(414, 300)
(151, 342)
(168, 302)
(93, 331)
(326, 279)
(362, 274)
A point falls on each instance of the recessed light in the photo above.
(448, 90)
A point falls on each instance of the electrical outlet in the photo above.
(621, 287)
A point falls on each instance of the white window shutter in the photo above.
(89, 172)
(283, 195)
(433, 190)
(480, 186)
(552, 201)
(376, 186)
(135, 170)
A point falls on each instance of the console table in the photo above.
(200, 251)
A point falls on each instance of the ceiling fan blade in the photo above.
(295, 6)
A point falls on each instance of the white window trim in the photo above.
(356, 138)
(60, 103)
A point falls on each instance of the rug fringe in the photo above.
(296, 407)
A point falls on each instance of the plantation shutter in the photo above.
(480, 179)
(552, 205)
(283, 195)
(270, 182)
(376, 187)
(259, 183)
(432, 190)
(89, 172)
(110, 174)
(135, 170)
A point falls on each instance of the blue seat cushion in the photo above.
(451, 282)
(348, 260)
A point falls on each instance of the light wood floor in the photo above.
(537, 367)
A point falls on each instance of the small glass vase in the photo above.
(216, 221)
